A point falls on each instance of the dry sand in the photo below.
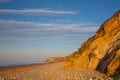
(52, 71)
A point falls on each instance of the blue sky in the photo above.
(35, 30)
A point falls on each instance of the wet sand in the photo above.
(52, 71)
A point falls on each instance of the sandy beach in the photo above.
(52, 71)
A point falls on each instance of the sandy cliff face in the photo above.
(102, 51)
(56, 59)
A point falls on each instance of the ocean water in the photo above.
(18, 63)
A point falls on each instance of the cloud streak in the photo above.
(29, 39)
(37, 11)
(21, 26)
(22, 30)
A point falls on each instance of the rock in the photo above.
(100, 52)
(55, 59)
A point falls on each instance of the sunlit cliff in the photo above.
(100, 52)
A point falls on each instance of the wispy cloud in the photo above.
(28, 39)
(45, 31)
(37, 11)
(19, 26)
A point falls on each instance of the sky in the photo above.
(33, 30)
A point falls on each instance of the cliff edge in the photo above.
(55, 59)
(100, 52)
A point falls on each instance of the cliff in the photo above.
(101, 51)
(55, 59)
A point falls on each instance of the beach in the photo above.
(49, 71)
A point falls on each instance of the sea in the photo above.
(19, 63)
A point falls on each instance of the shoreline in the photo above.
(50, 71)
(19, 65)
(19, 68)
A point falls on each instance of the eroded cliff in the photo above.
(100, 52)
(55, 59)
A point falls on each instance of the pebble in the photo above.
(55, 71)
